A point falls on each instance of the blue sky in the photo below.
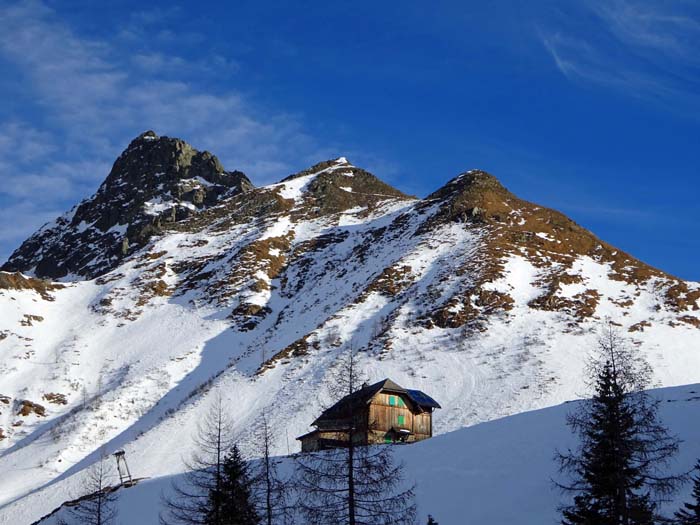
(589, 106)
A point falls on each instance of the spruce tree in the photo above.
(233, 498)
(617, 472)
(690, 513)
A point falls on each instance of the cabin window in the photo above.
(401, 403)
(392, 401)
(402, 420)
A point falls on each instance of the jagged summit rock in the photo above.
(155, 181)
(147, 135)
(171, 164)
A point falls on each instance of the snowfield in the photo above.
(258, 296)
(498, 472)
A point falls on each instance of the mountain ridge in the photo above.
(471, 189)
(485, 301)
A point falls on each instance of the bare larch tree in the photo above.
(195, 500)
(271, 492)
(97, 504)
(354, 484)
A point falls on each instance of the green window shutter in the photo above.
(402, 420)
(401, 403)
(392, 401)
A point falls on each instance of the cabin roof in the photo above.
(422, 399)
(366, 393)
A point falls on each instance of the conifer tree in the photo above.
(231, 503)
(617, 473)
(690, 513)
(195, 499)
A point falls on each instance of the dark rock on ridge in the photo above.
(156, 181)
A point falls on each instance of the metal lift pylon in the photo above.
(123, 469)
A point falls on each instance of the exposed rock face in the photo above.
(340, 186)
(336, 185)
(17, 281)
(154, 182)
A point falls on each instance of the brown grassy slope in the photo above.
(548, 239)
(17, 281)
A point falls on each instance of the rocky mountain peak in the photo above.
(327, 189)
(155, 181)
(337, 185)
(474, 183)
(476, 196)
(145, 136)
(153, 162)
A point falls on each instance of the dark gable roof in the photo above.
(365, 394)
(422, 399)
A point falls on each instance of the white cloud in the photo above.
(652, 25)
(640, 48)
(100, 101)
(23, 142)
(94, 96)
(577, 59)
(159, 63)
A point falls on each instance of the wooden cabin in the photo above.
(380, 413)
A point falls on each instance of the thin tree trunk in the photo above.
(622, 510)
(351, 481)
(217, 511)
(268, 481)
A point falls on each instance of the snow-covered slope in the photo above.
(487, 302)
(497, 473)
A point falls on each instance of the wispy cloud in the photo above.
(98, 99)
(642, 48)
(660, 27)
(161, 63)
(93, 96)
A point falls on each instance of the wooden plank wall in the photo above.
(383, 417)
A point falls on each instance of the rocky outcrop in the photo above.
(155, 182)
(26, 408)
(17, 281)
(336, 185)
